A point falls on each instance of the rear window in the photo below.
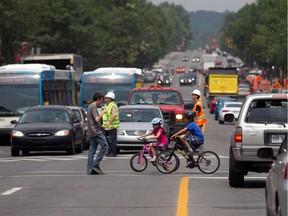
(267, 111)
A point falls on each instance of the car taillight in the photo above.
(238, 134)
(286, 172)
(225, 110)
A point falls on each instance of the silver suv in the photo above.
(262, 122)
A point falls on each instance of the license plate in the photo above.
(277, 138)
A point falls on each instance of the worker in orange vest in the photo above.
(200, 118)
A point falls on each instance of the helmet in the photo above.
(156, 121)
(190, 114)
(197, 92)
(110, 95)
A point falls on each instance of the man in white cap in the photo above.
(111, 123)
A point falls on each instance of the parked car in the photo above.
(229, 112)
(47, 128)
(149, 76)
(219, 105)
(135, 120)
(81, 115)
(186, 79)
(276, 183)
(180, 70)
(262, 122)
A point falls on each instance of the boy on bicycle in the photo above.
(191, 136)
(159, 134)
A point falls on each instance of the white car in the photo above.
(276, 183)
(229, 112)
(135, 120)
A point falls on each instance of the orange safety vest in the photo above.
(200, 119)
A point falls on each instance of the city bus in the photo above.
(119, 80)
(26, 85)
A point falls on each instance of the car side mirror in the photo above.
(13, 122)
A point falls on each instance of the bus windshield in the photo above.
(121, 91)
(15, 99)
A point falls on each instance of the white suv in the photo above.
(262, 122)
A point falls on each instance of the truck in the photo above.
(221, 82)
(62, 61)
(208, 62)
(169, 100)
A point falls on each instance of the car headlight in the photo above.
(181, 80)
(120, 132)
(179, 117)
(17, 134)
(62, 133)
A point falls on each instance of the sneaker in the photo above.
(97, 169)
(153, 159)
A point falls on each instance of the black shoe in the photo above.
(97, 169)
(93, 172)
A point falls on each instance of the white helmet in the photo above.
(197, 92)
(110, 95)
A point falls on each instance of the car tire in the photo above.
(80, 147)
(236, 178)
(15, 152)
(25, 152)
(71, 149)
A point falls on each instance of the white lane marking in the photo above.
(11, 191)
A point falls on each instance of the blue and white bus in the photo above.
(26, 85)
(119, 80)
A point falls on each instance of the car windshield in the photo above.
(155, 97)
(44, 115)
(138, 115)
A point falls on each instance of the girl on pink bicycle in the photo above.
(159, 135)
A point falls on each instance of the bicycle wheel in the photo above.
(167, 162)
(138, 162)
(208, 162)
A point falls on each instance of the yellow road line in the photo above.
(183, 197)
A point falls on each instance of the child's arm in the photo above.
(182, 131)
(144, 135)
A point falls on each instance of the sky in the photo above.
(208, 5)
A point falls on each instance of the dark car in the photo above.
(47, 128)
(186, 79)
(164, 80)
(80, 113)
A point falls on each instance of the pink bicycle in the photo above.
(139, 161)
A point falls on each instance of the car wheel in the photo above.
(236, 179)
(71, 149)
(80, 147)
(15, 152)
(25, 152)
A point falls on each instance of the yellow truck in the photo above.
(221, 82)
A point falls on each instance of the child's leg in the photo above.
(184, 141)
(153, 151)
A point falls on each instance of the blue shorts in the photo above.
(193, 141)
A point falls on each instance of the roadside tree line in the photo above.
(104, 32)
(257, 33)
